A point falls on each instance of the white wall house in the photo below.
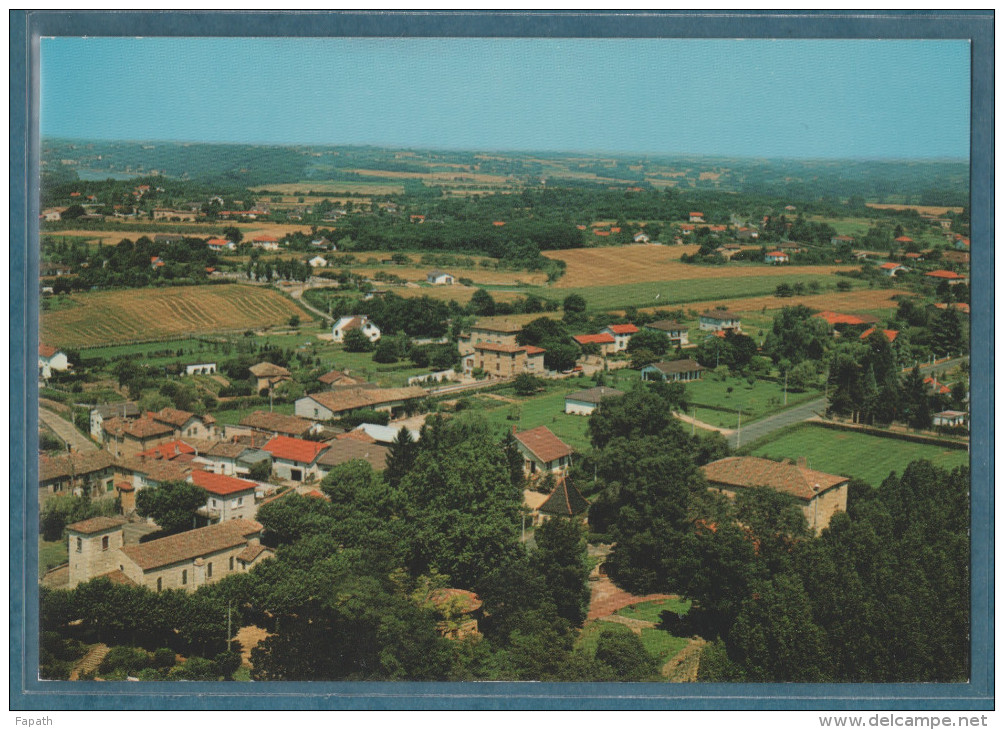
(352, 322)
(318, 262)
(201, 368)
(50, 359)
(439, 278)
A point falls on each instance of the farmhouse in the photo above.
(168, 214)
(720, 320)
(123, 437)
(892, 269)
(951, 419)
(220, 244)
(696, 217)
(187, 424)
(125, 410)
(77, 473)
(342, 451)
(621, 333)
(504, 361)
(950, 276)
(677, 333)
(584, 402)
(605, 341)
(542, 451)
(200, 368)
(266, 243)
(318, 262)
(641, 238)
(279, 424)
(50, 359)
(338, 379)
(187, 560)
(269, 375)
(355, 322)
(674, 370)
(439, 278)
(838, 240)
(775, 257)
(331, 404)
(820, 495)
(227, 498)
(294, 459)
(491, 330)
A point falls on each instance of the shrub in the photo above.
(124, 658)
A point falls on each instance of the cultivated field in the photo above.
(462, 176)
(851, 302)
(857, 455)
(928, 209)
(478, 275)
(196, 230)
(614, 265)
(332, 187)
(110, 317)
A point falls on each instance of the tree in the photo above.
(387, 351)
(294, 321)
(171, 505)
(526, 384)
(946, 332)
(233, 233)
(401, 457)
(655, 342)
(482, 303)
(260, 471)
(561, 558)
(916, 403)
(625, 654)
(796, 335)
(355, 341)
(574, 307)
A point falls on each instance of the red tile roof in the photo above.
(498, 223)
(221, 484)
(168, 451)
(543, 444)
(46, 351)
(891, 265)
(141, 428)
(904, 239)
(291, 449)
(890, 335)
(600, 339)
(936, 386)
(96, 524)
(622, 329)
(777, 253)
(834, 318)
(752, 471)
(697, 213)
(217, 242)
(942, 274)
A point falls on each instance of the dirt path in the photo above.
(701, 424)
(607, 598)
(685, 663)
(635, 624)
(91, 661)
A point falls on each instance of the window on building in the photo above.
(209, 570)
(214, 503)
(184, 577)
(231, 562)
(315, 413)
(160, 584)
(240, 501)
(80, 545)
(104, 542)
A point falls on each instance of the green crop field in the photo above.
(668, 293)
(859, 455)
(764, 398)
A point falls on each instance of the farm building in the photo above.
(186, 561)
(126, 410)
(294, 459)
(220, 244)
(605, 341)
(584, 402)
(338, 379)
(318, 262)
(951, 418)
(201, 368)
(504, 361)
(621, 333)
(268, 375)
(278, 424)
(775, 257)
(266, 243)
(491, 330)
(838, 240)
(892, 269)
(820, 495)
(227, 498)
(674, 370)
(542, 452)
(720, 320)
(331, 404)
(50, 359)
(950, 276)
(641, 238)
(678, 334)
(91, 474)
(342, 451)
(439, 278)
(355, 322)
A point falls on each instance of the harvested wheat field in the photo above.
(615, 265)
(850, 302)
(457, 293)
(111, 317)
(926, 209)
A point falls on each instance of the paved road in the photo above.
(66, 431)
(772, 423)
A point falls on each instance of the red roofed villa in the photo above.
(294, 459)
(542, 451)
(605, 341)
(621, 333)
(228, 498)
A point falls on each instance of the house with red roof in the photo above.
(950, 276)
(622, 334)
(542, 452)
(904, 239)
(851, 320)
(890, 335)
(220, 244)
(891, 269)
(935, 387)
(227, 497)
(605, 341)
(49, 359)
(266, 243)
(775, 257)
(295, 459)
(696, 217)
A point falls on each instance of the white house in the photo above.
(49, 359)
(696, 217)
(201, 368)
(227, 498)
(437, 278)
(621, 333)
(775, 257)
(124, 410)
(951, 418)
(266, 243)
(318, 262)
(892, 269)
(295, 459)
(355, 322)
(584, 402)
(678, 334)
(720, 320)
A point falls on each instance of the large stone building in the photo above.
(186, 560)
(330, 404)
(495, 331)
(820, 495)
(91, 474)
(504, 361)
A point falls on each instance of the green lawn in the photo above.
(652, 610)
(667, 293)
(233, 417)
(547, 409)
(859, 455)
(762, 399)
(50, 554)
(660, 644)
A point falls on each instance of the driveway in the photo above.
(764, 426)
(66, 431)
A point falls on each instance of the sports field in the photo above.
(853, 454)
(112, 317)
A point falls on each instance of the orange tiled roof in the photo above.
(752, 471)
(543, 444)
(192, 544)
(622, 329)
(221, 484)
(890, 335)
(600, 339)
(96, 524)
(291, 449)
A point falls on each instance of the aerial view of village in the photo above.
(499, 375)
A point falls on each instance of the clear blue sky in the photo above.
(802, 98)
